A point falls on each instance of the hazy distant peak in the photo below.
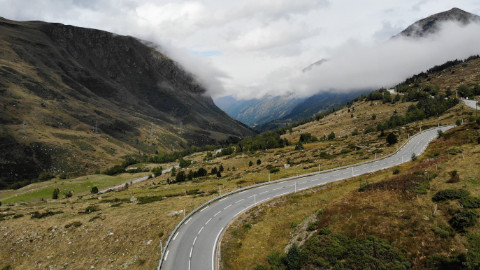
(430, 24)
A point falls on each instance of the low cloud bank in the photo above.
(355, 66)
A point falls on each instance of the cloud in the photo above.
(355, 66)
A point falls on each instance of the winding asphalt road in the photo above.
(193, 245)
(471, 103)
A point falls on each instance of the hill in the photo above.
(76, 100)
(99, 226)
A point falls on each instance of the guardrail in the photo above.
(193, 212)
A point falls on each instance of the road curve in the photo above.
(471, 103)
(193, 244)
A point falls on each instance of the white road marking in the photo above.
(186, 222)
(175, 237)
(217, 213)
(191, 249)
(208, 221)
(194, 240)
(166, 255)
(203, 209)
(250, 196)
(263, 192)
(223, 199)
(239, 201)
(215, 247)
(227, 207)
(198, 233)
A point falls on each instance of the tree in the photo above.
(55, 194)
(374, 116)
(259, 162)
(292, 260)
(221, 169)
(250, 163)
(331, 136)
(219, 174)
(157, 171)
(214, 170)
(299, 146)
(190, 175)
(174, 171)
(180, 177)
(392, 139)
(184, 163)
(94, 190)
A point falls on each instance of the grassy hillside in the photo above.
(85, 229)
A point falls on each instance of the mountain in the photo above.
(77, 99)
(309, 107)
(431, 24)
(254, 112)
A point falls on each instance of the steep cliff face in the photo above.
(91, 94)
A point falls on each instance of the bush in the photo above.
(355, 132)
(458, 122)
(91, 209)
(149, 199)
(368, 130)
(331, 136)
(299, 146)
(180, 177)
(470, 202)
(45, 176)
(94, 190)
(462, 220)
(250, 163)
(68, 194)
(184, 163)
(440, 133)
(259, 162)
(75, 224)
(307, 137)
(157, 171)
(450, 194)
(47, 213)
(414, 157)
(55, 193)
(391, 139)
(63, 176)
(117, 169)
(396, 171)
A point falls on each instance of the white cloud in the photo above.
(261, 46)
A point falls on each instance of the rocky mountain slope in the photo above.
(431, 24)
(76, 99)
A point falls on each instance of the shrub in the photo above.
(414, 157)
(219, 174)
(368, 130)
(250, 163)
(444, 231)
(45, 176)
(68, 194)
(299, 146)
(458, 122)
(63, 176)
(91, 209)
(440, 133)
(94, 190)
(117, 169)
(374, 116)
(55, 193)
(450, 194)
(391, 139)
(462, 220)
(307, 137)
(184, 163)
(47, 213)
(180, 177)
(331, 136)
(259, 162)
(396, 171)
(355, 132)
(470, 202)
(75, 224)
(149, 199)
(157, 171)
(293, 258)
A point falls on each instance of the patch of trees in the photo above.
(307, 138)
(426, 107)
(336, 251)
(267, 140)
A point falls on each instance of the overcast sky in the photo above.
(250, 48)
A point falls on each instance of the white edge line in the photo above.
(175, 237)
(166, 255)
(214, 248)
(203, 209)
(186, 222)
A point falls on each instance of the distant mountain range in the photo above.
(273, 112)
(76, 100)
